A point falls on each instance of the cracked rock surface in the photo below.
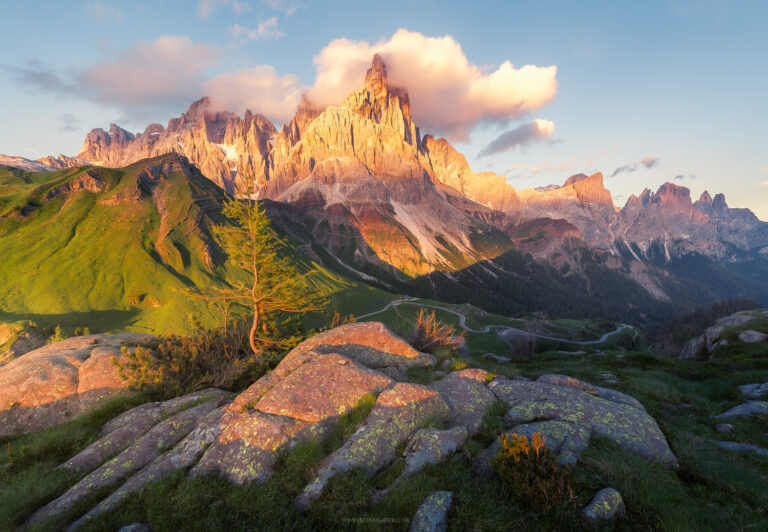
(242, 437)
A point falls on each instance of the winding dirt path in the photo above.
(488, 328)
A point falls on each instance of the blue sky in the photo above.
(667, 90)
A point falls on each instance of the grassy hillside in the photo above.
(117, 249)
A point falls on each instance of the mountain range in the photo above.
(361, 190)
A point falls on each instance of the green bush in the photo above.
(174, 365)
(530, 472)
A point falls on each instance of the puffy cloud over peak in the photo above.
(259, 89)
(537, 131)
(449, 95)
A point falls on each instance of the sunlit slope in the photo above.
(114, 249)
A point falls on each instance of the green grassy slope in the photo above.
(121, 258)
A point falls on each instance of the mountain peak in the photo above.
(591, 189)
(378, 71)
(575, 179)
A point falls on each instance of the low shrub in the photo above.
(174, 365)
(338, 320)
(530, 472)
(430, 334)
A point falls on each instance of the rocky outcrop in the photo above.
(87, 181)
(606, 504)
(55, 383)
(712, 338)
(304, 398)
(746, 410)
(608, 414)
(752, 337)
(754, 391)
(432, 515)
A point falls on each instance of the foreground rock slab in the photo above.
(606, 413)
(304, 399)
(57, 382)
(397, 413)
(145, 450)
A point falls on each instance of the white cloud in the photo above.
(763, 183)
(523, 135)
(165, 70)
(240, 7)
(449, 94)
(206, 7)
(267, 29)
(103, 11)
(259, 88)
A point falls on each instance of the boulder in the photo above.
(462, 349)
(55, 383)
(125, 429)
(748, 409)
(752, 337)
(432, 515)
(566, 440)
(467, 396)
(741, 447)
(692, 348)
(712, 335)
(610, 415)
(520, 343)
(736, 320)
(754, 391)
(606, 504)
(724, 427)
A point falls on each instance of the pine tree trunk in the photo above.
(254, 328)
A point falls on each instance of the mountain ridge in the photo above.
(389, 203)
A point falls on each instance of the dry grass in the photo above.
(430, 334)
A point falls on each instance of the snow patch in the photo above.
(230, 151)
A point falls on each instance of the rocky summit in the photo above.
(241, 437)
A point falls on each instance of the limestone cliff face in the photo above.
(412, 202)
